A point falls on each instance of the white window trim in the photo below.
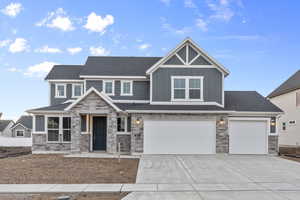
(60, 129)
(113, 87)
(73, 90)
(56, 90)
(131, 87)
(126, 126)
(187, 88)
(21, 131)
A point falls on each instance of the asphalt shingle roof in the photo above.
(293, 83)
(118, 66)
(25, 120)
(248, 101)
(4, 124)
(64, 72)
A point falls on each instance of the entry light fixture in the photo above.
(138, 121)
(222, 121)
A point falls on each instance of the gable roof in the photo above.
(4, 124)
(64, 72)
(182, 44)
(106, 98)
(53, 108)
(117, 66)
(248, 101)
(24, 120)
(293, 83)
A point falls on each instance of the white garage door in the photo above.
(248, 137)
(179, 137)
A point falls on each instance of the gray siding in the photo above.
(27, 132)
(212, 83)
(140, 89)
(55, 101)
(40, 123)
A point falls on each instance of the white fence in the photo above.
(15, 142)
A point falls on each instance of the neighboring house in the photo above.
(5, 126)
(23, 127)
(287, 98)
(0, 115)
(174, 104)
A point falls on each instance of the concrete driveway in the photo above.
(218, 177)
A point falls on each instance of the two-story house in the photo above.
(287, 98)
(174, 104)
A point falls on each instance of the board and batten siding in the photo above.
(212, 83)
(140, 89)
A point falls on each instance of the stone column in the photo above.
(75, 132)
(222, 136)
(111, 140)
(137, 134)
(273, 144)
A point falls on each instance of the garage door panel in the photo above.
(247, 137)
(179, 137)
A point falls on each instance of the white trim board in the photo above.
(113, 77)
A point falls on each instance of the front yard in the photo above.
(56, 169)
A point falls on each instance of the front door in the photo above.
(99, 133)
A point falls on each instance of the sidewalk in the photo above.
(55, 188)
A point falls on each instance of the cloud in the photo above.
(166, 2)
(12, 10)
(74, 50)
(144, 46)
(19, 45)
(180, 31)
(4, 43)
(99, 51)
(200, 23)
(39, 70)
(222, 10)
(46, 49)
(96, 23)
(13, 69)
(189, 4)
(57, 19)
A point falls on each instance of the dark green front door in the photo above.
(99, 133)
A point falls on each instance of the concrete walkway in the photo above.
(46, 188)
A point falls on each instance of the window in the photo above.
(297, 99)
(20, 133)
(76, 90)
(283, 126)
(108, 87)
(60, 90)
(66, 129)
(126, 88)
(187, 88)
(83, 123)
(53, 129)
(124, 124)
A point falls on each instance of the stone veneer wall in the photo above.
(273, 144)
(125, 142)
(137, 136)
(93, 104)
(39, 143)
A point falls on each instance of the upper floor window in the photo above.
(77, 90)
(60, 90)
(126, 88)
(109, 87)
(297, 99)
(187, 88)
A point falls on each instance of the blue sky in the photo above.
(257, 40)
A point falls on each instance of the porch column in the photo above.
(75, 132)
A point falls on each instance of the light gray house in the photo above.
(5, 126)
(0, 115)
(23, 127)
(174, 104)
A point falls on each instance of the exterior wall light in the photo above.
(222, 121)
(137, 121)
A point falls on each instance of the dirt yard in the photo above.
(291, 158)
(80, 196)
(56, 169)
(14, 151)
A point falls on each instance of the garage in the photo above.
(179, 137)
(248, 136)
